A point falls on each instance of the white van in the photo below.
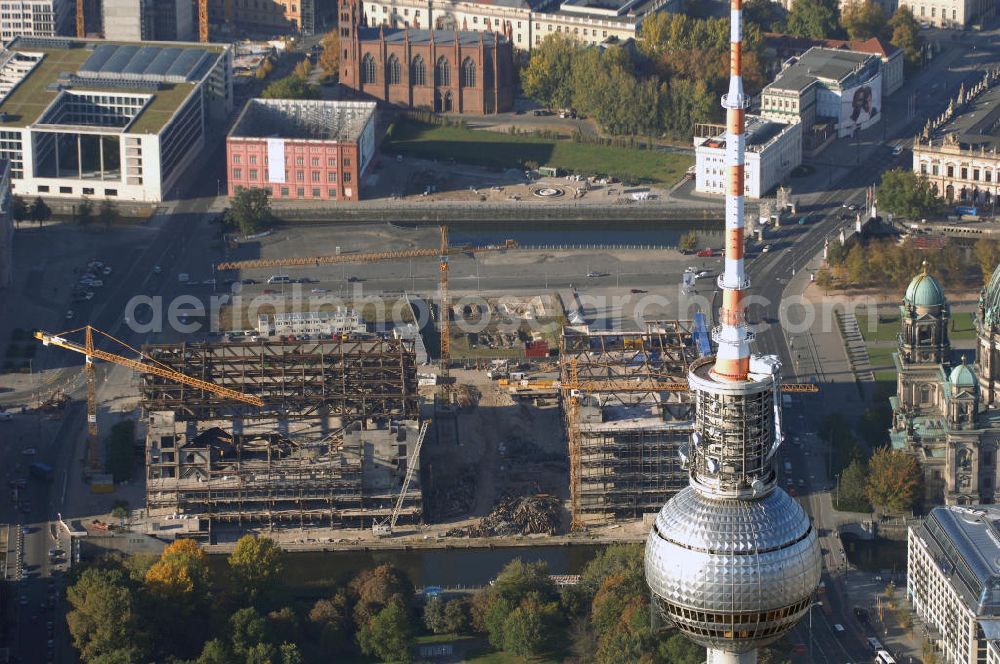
(279, 279)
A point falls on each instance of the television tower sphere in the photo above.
(732, 560)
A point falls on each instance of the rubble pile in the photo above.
(522, 515)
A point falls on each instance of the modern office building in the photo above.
(36, 18)
(953, 580)
(302, 150)
(120, 121)
(149, 20)
(827, 85)
(772, 150)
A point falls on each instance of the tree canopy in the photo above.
(250, 211)
(329, 58)
(853, 487)
(102, 619)
(813, 19)
(905, 34)
(256, 564)
(908, 194)
(987, 254)
(863, 19)
(894, 480)
(290, 87)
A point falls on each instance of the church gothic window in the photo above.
(368, 69)
(468, 73)
(392, 73)
(442, 72)
(418, 71)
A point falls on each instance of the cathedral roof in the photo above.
(990, 299)
(962, 376)
(924, 291)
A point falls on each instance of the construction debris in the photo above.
(523, 515)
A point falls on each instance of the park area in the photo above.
(524, 151)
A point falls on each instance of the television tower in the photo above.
(732, 560)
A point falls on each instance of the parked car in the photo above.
(706, 253)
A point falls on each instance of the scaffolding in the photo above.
(329, 448)
(624, 443)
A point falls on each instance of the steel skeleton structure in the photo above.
(732, 560)
(329, 447)
(302, 479)
(627, 412)
(353, 379)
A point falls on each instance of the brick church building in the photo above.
(437, 70)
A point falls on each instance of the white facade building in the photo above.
(836, 85)
(950, 13)
(338, 321)
(953, 580)
(36, 18)
(108, 121)
(773, 150)
(589, 21)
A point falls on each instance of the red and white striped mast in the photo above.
(732, 361)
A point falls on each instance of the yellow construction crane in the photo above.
(668, 384)
(150, 366)
(443, 252)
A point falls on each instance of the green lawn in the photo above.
(426, 639)
(882, 365)
(501, 150)
(883, 328)
(495, 657)
(962, 326)
(886, 327)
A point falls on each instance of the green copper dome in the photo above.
(989, 300)
(962, 376)
(925, 291)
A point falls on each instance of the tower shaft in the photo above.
(732, 361)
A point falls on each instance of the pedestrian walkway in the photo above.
(854, 345)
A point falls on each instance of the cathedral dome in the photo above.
(925, 291)
(962, 376)
(990, 299)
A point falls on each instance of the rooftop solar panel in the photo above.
(164, 59)
(186, 62)
(119, 60)
(140, 63)
(98, 58)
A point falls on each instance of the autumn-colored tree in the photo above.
(987, 253)
(374, 589)
(329, 59)
(180, 573)
(894, 480)
(906, 35)
(863, 19)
